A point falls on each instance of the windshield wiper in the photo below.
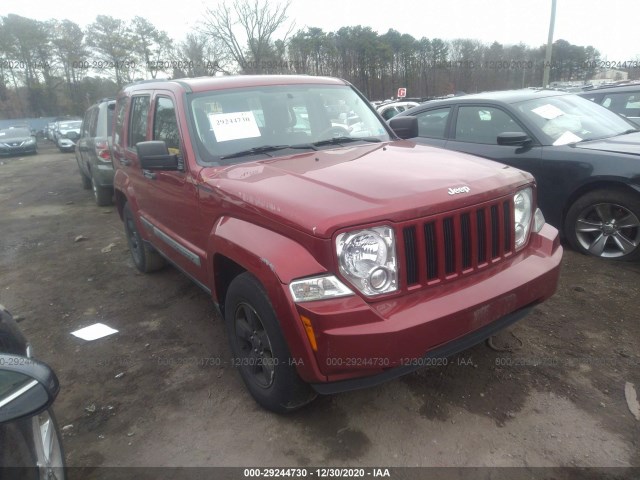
(255, 150)
(631, 130)
(340, 140)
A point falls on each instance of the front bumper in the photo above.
(19, 150)
(66, 144)
(362, 344)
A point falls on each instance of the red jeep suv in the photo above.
(340, 255)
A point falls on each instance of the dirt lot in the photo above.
(158, 393)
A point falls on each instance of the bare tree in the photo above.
(246, 29)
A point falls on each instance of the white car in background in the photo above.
(390, 110)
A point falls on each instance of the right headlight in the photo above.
(523, 210)
(367, 259)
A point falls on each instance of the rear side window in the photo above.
(85, 123)
(138, 120)
(165, 124)
(121, 108)
(110, 109)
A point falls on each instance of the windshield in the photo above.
(274, 120)
(70, 125)
(15, 133)
(569, 119)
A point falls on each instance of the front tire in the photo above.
(606, 224)
(259, 349)
(144, 257)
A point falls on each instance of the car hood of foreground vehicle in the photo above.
(321, 191)
(627, 143)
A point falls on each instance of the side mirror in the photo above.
(404, 127)
(154, 155)
(27, 387)
(514, 139)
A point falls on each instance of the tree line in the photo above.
(57, 67)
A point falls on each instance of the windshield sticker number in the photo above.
(234, 126)
(548, 112)
(566, 138)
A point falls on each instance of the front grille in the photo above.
(447, 246)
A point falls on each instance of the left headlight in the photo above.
(523, 210)
(367, 258)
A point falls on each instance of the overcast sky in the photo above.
(610, 26)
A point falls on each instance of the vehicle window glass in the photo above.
(606, 102)
(85, 123)
(389, 113)
(110, 109)
(481, 124)
(565, 119)
(138, 120)
(432, 123)
(165, 124)
(93, 122)
(231, 121)
(121, 105)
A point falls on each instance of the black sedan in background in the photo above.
(30, 446)
(17, 141)
(585, 158)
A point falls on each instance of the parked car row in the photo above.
(64, 132)
(584, 157)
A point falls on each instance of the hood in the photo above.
(628, 143)
(320, 192)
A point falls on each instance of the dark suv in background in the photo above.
(93, 151)
(622, 99)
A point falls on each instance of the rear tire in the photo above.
(145, 258)
(86, 181)
(605, 224)
(103, 195)
(259, 349)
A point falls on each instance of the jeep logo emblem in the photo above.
(456, 190)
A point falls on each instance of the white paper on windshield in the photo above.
(548, 111)
(94, 332)
(234, 126)
(567, 137)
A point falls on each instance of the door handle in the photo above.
(148, 174)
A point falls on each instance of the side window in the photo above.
(93, 122)
(627, 104)
(482, 124)
(121, 107)
(138, 120)
(165, 124)
(85, 123)
(432, 123)
(390, 113)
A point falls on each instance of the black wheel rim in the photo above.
(133, 239)
(608, 230)
(254, 347)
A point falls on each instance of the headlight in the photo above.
(523, 206)
(367, 258)
(318, 288)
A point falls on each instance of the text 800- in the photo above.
(102, 65)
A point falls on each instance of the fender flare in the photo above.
(275, 261)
